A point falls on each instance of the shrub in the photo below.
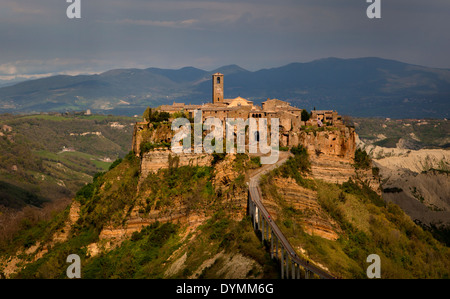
(296, 166)
(392, 190)
(148, 146)
(362, 159)
(255, 162)
(115, 163)
(85, 192)
(375, 171)
(363, 191)
(217, 157)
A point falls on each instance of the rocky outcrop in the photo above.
(229, 181)
(331, 169)
(417, 181)
(148, 132)
(24, 256)
(154, 160)
(314, 220)
(331, 141)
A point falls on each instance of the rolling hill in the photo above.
(49, 157)
(358, 87)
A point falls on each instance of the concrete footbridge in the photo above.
(292, 266)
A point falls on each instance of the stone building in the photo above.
(326, 117)
(323, 135)
(217, 88)
(290, 118)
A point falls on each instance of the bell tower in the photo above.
(217, 88)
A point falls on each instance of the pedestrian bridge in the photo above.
(292, 266)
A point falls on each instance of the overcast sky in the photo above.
(37, 39)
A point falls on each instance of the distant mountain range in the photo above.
(358, 87)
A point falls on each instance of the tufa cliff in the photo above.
(156, 214)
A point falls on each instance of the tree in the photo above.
(152, 115)
(362, 159)
(147, 114)
(305, 115)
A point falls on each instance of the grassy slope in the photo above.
(31, 154)
(146, 254)
(367, 226)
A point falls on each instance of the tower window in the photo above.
(218, 80)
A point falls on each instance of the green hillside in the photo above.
(222, 236)
(364, 224)
(52, 156)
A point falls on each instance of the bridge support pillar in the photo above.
(282, 262)
(293, 269)
(262, 229)
(276, 248)
(286, 265)
(271, 244)
(255, 215)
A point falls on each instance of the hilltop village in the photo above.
(321, 132)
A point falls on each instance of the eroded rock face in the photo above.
(147, 132)
(157, 159)
(331, 169)
(335, 142)
(15, 263)
(229, 182)
(314, 220)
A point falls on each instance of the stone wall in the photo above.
(154, 160)
(146, 132)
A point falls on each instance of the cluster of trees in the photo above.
(154, 116)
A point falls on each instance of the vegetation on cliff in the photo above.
(190, 222)
(365, 225)
(196, 232)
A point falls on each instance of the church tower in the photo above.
(217, 88)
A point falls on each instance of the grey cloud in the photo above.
(37, 38)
